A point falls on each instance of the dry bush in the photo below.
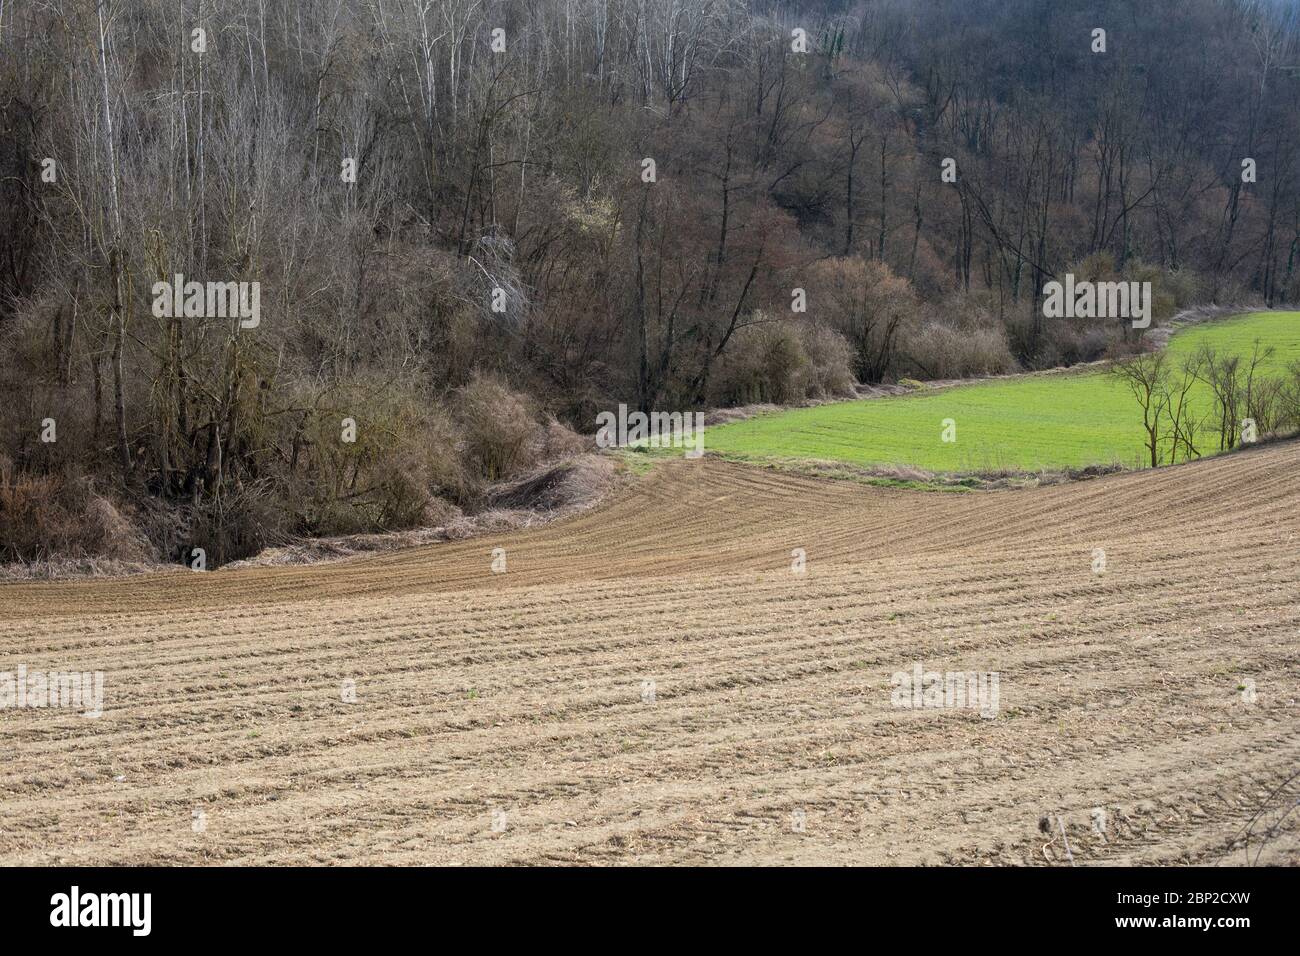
(43, 516)
(235, 525)
(1164, 292)
(1068, 342)
(766, 363)
(437, 512)
(1171, 289)
(402, 470)
(1235, 291)
(499, 428)
(557, 441)
(421, 472)
(943, 352)
(829, 372)
(1185, 287)
(870, 305)
(782, 363)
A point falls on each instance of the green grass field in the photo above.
(1023, 424)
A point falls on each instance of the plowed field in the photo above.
(1149, 710)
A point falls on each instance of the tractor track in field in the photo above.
(522, 692)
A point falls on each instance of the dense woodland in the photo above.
(501, 270)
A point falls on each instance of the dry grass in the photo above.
(51, 517)
(548, 493)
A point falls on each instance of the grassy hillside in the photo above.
(1025, 423)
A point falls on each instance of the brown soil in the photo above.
(523, 691)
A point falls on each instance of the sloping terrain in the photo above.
(505, 718)
(1058, 419)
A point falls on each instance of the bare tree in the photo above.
(1147, 377)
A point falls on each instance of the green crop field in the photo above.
(1023, 423)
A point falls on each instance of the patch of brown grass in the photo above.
(44, 517)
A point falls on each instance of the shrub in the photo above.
(765, 362)
(942, 351)
(1069, 342)
(44, 515)
(499, 428)
(556, 441)
(406, 456)
(236, 524)
(870, 305)
(829, 372)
